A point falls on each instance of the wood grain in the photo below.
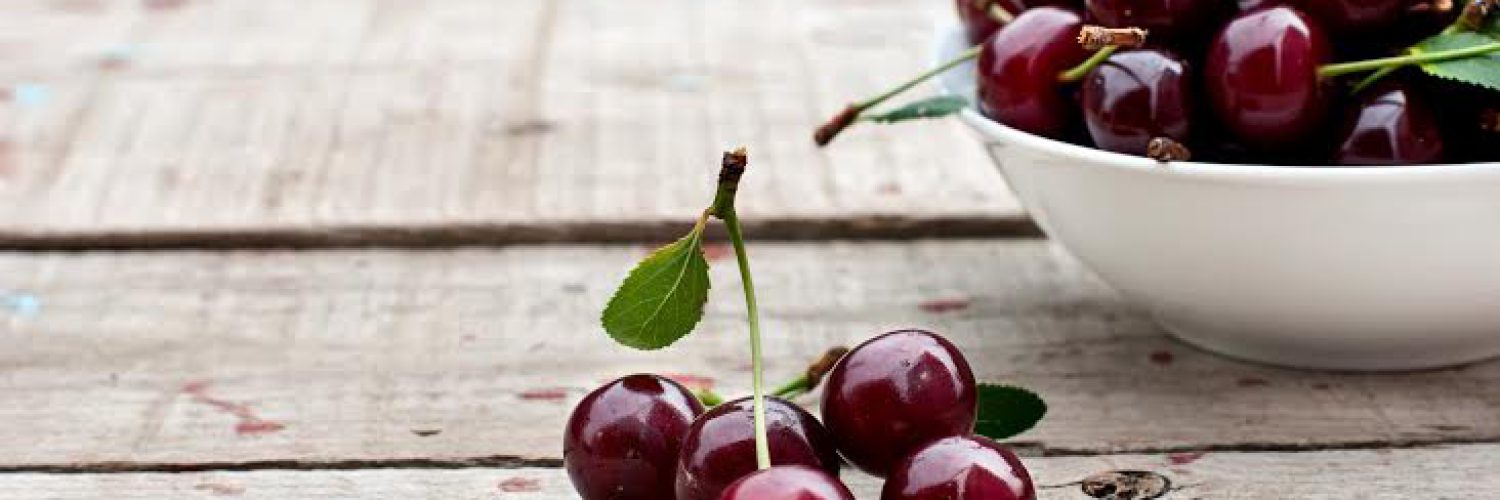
(339, 122)
(1456, 472)
(170, 360)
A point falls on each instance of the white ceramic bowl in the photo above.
(1329, 268)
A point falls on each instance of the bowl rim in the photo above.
(1098, 158)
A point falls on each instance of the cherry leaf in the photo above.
(1005, 411)
(932, 107)
(1483, 70)
(662, 298)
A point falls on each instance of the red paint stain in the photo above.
(249, 423)
(1162, 357)
(692, 382)
(520, 484)
(468, 337)
(163, 4)
(1184, 458)
(890, 188)
(548, 394)
(113, 62)
(1252, 382)
(940, 306)
(717, 251)
(220, 489)
(6, 94)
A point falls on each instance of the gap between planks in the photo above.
(1459, 472)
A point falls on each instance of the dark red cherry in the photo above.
(1392, 125)
(720, 446)
(788, 482)
(622, 439)
(1355, 16)
(1018, 69)
(1262, 77)
(1136, 96)
(894, 393)
(1164, 19)
(960, 468)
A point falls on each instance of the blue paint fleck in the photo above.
(31, 94)
(24, 305)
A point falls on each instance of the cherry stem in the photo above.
(732, 168)
(708, 397)
(1077, 73)
(999, 14)
(1340, 69)
(1464, 22)
(810, 378)
(850, 114)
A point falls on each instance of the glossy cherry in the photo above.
(1355, 16)
(1262, 77)
(1018, 69)
(622, 440)
(960, 468)
(1136, 96)
(895, 392)
(788, 482)
(1165, 19)
(720, 446)
(1391, 125)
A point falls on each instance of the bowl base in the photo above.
(1257, 349)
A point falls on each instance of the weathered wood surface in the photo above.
(165, 360)
(310, 122)
(1454, 473)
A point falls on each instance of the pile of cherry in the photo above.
(900, 406)
(1233, 81)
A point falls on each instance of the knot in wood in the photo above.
(1126, 485)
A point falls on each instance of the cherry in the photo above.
(1018, 69)
(895, 392)
(720, 446)
(1392, 125)
(1262, 77)
(980, 23)
(622, 439)
(1137, 96)
(1165, 19)
(1354, 16)
(960, 468)
(788, 482)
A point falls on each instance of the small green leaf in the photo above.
(1481, 70)
(932, 107)
(662, 299)
(1006, 411)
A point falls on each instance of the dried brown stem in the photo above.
(1097, 37)
(1165, 149)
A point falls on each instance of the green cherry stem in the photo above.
(812, 376)
(708, 397)
(1468, 20)
(998, 13)
(1077, 73)
(850, 113)
(1340, 69)
(730, 171)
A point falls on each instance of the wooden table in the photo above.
(357, 249)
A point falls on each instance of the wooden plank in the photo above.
(1457, 472)
(160, 359)
(295, 122)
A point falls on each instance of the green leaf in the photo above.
(932, 107)
(1481, 70)
(1006, 411)
(662, 299)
